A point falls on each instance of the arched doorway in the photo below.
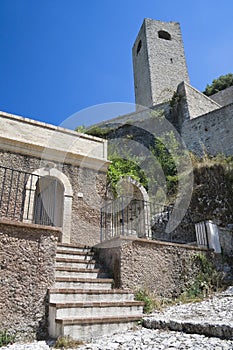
(49, 202)
(136, 207)
(129, 213)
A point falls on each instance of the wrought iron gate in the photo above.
(48, 206)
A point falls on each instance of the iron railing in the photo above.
(28, 197)
(16, 193)
(125, 216)
(132, 217)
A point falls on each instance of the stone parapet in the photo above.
(52, 143)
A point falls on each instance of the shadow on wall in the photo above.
(42, 328)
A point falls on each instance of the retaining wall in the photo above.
(164, 268)
(27, 270)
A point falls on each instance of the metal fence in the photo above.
(30, 198)
(131, 217)
(16, 193)
(125, 216)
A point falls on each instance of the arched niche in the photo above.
(137, 204)
(48, 200)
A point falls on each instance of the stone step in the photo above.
(209, 328)
(72, 254)
(83, 283)
(82, 303)
(77, 272)
(78, 263)
(88, 328)
(74, 247)
(79, 295)
(91, 310)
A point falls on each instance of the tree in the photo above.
(221, 83)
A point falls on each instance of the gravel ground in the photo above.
(143, 339)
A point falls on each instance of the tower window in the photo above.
(162, 34)
(139, 46)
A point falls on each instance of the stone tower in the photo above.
(159, 62)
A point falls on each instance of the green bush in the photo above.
(165, 150)
(166, 153)
(221, 83)
(207, 280)
(94, 131)
(124, 167)
(150, 301)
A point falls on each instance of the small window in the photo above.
(139, 46)
(164, 35)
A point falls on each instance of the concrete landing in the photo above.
(212, 317)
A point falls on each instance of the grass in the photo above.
(67, 342)
(151, 302)
(195, 293)
(6, 338)
(208, 161)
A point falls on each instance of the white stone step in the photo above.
(74, 255)
(84, 296)
(84, 306)
(78, 263)
(83, 283)
(91, 310)
(76, 272)
(87, 329)
(72, 247)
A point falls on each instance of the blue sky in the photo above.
(61, 56)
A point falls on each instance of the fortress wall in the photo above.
(210, 132)
(223, 97)
(197, 103)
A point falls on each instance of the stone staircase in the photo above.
(82, 303)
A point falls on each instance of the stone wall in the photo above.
(210, 132)
(196, 103)
(89, 190)
(226, 241)
(225, 261)
(224, 97)
(164, 268)
(212, 196)
(27, 270)
(91, 184)
(204, 125)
